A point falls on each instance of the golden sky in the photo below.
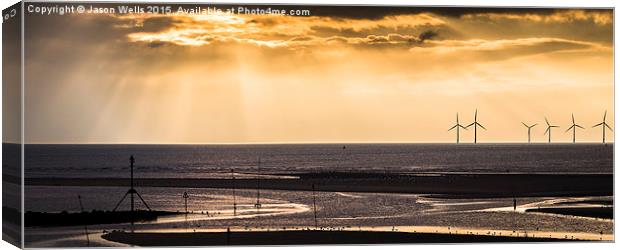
(343, 74)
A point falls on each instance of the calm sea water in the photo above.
(179, 161)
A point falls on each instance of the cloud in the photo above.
(270, 31)
(568, 16)
(505, 48)
(406, 28)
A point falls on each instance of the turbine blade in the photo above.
(579, 126)
(605, 116)
(473, 123)
(569, 129)
(608, 127)
(453, 127)
(598, 125)
(547, 121)
(476, 115)
(547, 131)
(534, 125)
(573, 116)
(525, 124)
(481, 126)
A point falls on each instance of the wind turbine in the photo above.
(476, 125)
(529, 130)
(458, 126)
(604, 124)
(573, 127)
(549, 127)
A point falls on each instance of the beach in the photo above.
(305, 238)
(385, 197)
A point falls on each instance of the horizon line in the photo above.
(303, 142)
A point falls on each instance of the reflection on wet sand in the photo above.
(243, 212)
(291, 210)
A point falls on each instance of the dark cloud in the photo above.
(156, 44)
(157, 23)
(429, 34)
(301, 39)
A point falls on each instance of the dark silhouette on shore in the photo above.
(95, 217)
(316, 223)
(232, 173)
(604, 212)
(131, 192)
(185, 197)
(306, 237)
(258, 205)
(85, 226)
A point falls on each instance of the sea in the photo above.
(214, 161)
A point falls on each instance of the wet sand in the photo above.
(40, 219)
(399, 212)
(431, 208)
(590, 212)
(303, 237)
(443, 185)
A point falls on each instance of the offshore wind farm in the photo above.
(574, 126)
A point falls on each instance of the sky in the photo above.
(342, 74)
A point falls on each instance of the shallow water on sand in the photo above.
(286, 210)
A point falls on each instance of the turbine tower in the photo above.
(549, 127)
(458, 126)
(603, 125)
(476, 125)
(529, 130)
(573, 127)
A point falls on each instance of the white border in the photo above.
(470, 3)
